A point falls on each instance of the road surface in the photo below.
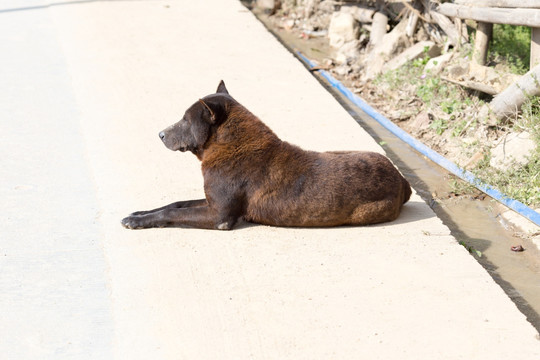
(86, 88)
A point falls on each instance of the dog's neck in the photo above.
(242, 133)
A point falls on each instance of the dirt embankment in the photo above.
(415, 66)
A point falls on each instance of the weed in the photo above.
(518, 182)
(439, 125)
(450, 105)
(471, 249)
(460, 187)
(459, 127)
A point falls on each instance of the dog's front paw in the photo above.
(133, 222)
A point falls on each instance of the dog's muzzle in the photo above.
(172, 143)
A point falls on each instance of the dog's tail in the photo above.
(406, 190)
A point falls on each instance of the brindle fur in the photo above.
(250, 173)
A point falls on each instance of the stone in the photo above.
(521, 223)
(343, 28)
(361, 13)
(420, 122)
(267, 5)
(436, 64)
(513, 150)
(390, 44)
(348, 52)
(458, 71)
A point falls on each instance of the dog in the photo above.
(250, 174)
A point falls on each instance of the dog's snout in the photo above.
(162, 135)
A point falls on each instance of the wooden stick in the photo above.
(522, 17)
(488, 89)
(414, 10)
(446, 24)
(378, 28)
(535, 47)
(510, 100)
(534, 4)
(481, 45)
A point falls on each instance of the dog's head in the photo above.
(192, 132)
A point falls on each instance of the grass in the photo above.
(519, 182)
(511, 45)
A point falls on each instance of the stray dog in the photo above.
(250, 173)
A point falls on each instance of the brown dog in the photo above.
(250, 173)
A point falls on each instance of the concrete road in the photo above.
(86, 87)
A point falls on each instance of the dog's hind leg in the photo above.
(174, 205)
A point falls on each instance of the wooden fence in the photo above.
(489, 12)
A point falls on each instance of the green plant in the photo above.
(471, 249)
(450, 105)
(518, 182)
(459, 127)
(460, 187)
(439, 125)
(428, 89)
(530, 117)
(511, 44)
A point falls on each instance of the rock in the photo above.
(536, 239)
(458, 71)
(348, 52)
(517, 248)
(416, 51)
(343, 28)
(268, 6)
(361, 13)
(436, 64)
(521, 223)
(420, 122)
(513, 150)
(390, 43)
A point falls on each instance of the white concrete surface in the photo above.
(79, 156)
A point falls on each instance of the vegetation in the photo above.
(512, 46)
(520, 182)
(455, 114)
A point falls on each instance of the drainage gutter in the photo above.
(437, 158)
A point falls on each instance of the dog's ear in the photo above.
(221, 88)
(208, 109)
